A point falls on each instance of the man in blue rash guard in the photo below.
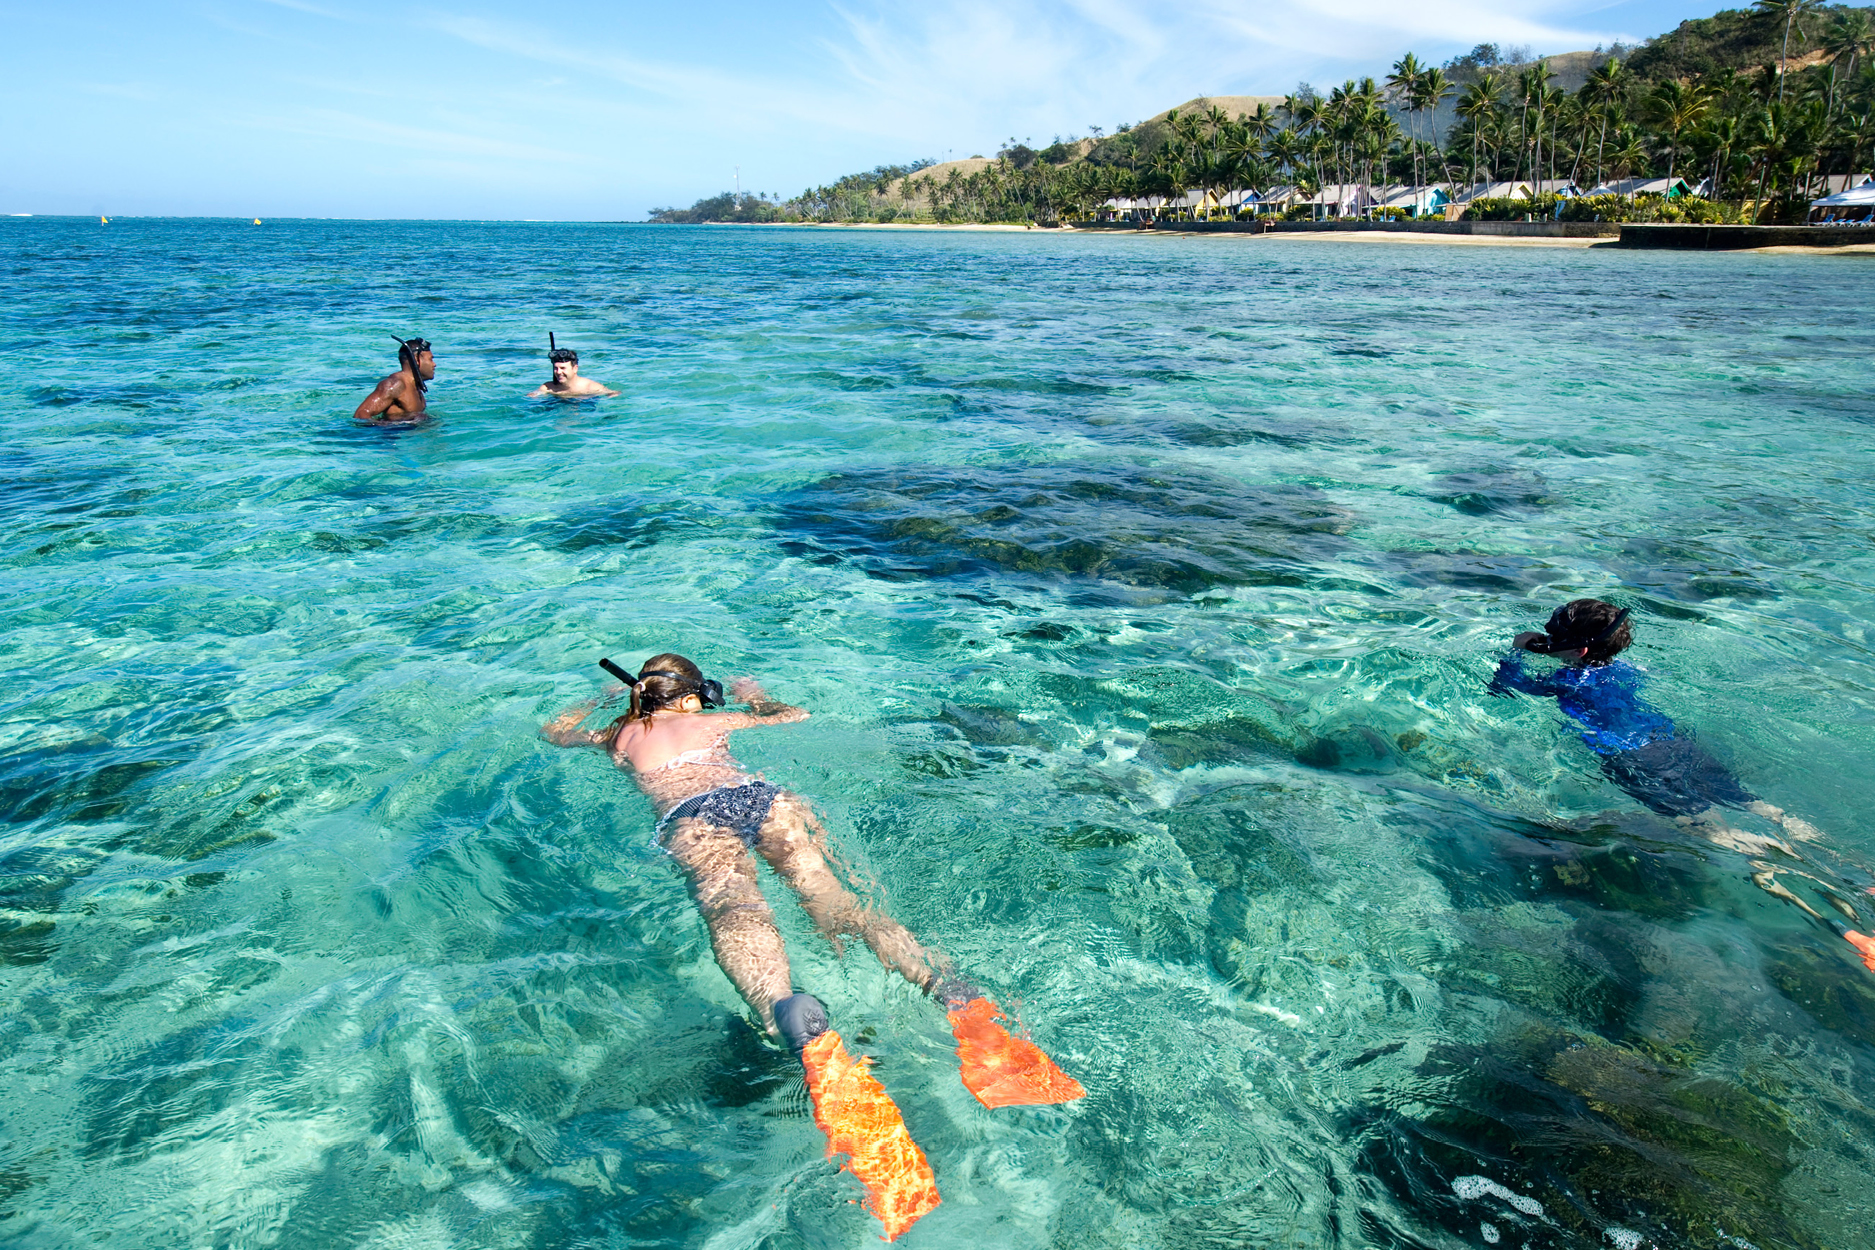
(1641, 750)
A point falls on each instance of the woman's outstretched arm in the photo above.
(564, 731)
(762, 709)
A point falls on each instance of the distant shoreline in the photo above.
(1345, 236)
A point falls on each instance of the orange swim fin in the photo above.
(1864, 944)
(861, 1122)
(1005, 1071)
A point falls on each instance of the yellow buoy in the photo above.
(257, 221)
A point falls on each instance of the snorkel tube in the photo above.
(710, 693)
(407, 352)
(1543, 644)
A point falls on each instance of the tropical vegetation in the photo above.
(1754, 105)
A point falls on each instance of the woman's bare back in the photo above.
(678, 755)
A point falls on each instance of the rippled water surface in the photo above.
(1144, 591)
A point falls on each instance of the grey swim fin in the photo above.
(801, 1018)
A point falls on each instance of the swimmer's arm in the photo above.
(602, 390)
(564, 731)
(538, 391)
(1510, 678)
(762, 709)
(380, 399)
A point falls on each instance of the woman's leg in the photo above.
(748, 946)
(788, 843)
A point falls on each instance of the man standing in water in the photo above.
(566, 382)
(399, 397)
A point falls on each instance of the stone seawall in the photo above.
(1732, 238)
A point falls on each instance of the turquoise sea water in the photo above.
(1144, 592)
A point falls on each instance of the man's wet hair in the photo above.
(566, 354)
(407, 352)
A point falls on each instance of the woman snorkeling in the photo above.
(711, 815)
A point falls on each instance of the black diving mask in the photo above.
(710, 693)
(1543, 644)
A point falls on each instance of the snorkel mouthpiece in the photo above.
(1543, 644)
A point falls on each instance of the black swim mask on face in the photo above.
(1543, 644)
(710, 693)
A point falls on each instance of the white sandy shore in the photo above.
(1313, 236)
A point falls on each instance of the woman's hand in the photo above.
(747, 690)
(1522, 641)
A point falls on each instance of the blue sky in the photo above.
(590, 111)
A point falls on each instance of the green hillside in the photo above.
(1762, 104)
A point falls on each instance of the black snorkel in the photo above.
(1543, 644)
(709, 693)
(407, 352)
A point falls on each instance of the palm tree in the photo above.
(1404, 82)
(1675, 107)
(1790, 11)
(1479, 103)
(1851, 36)
(1531, 84)
(1604, 89)
(1434, 89)
(1729, 137)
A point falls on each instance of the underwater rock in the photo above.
(1175, 530)
(1493, 492)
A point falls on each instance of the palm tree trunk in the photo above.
(1783, 57)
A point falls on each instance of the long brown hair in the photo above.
(662, 682)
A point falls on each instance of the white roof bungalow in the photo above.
(1419, 201)
(1127, 208)
(1490, 191)
(1631, 187)
(1343, 198)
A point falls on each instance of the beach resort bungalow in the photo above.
(1852, 207)
(1341, 199)
(1126, 208)
(1671, 188)
(1276, 199)
(1426, 201)
(1241, 203)
(1463, 196)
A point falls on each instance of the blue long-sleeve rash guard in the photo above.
(1605, 700)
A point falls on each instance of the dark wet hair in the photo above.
(1592, 624)
(407, 352)
(563, 353)
(663, 682)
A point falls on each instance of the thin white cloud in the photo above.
(416, 140)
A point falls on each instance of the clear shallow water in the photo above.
(1145, 592)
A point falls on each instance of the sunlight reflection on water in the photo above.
(1145, 592)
